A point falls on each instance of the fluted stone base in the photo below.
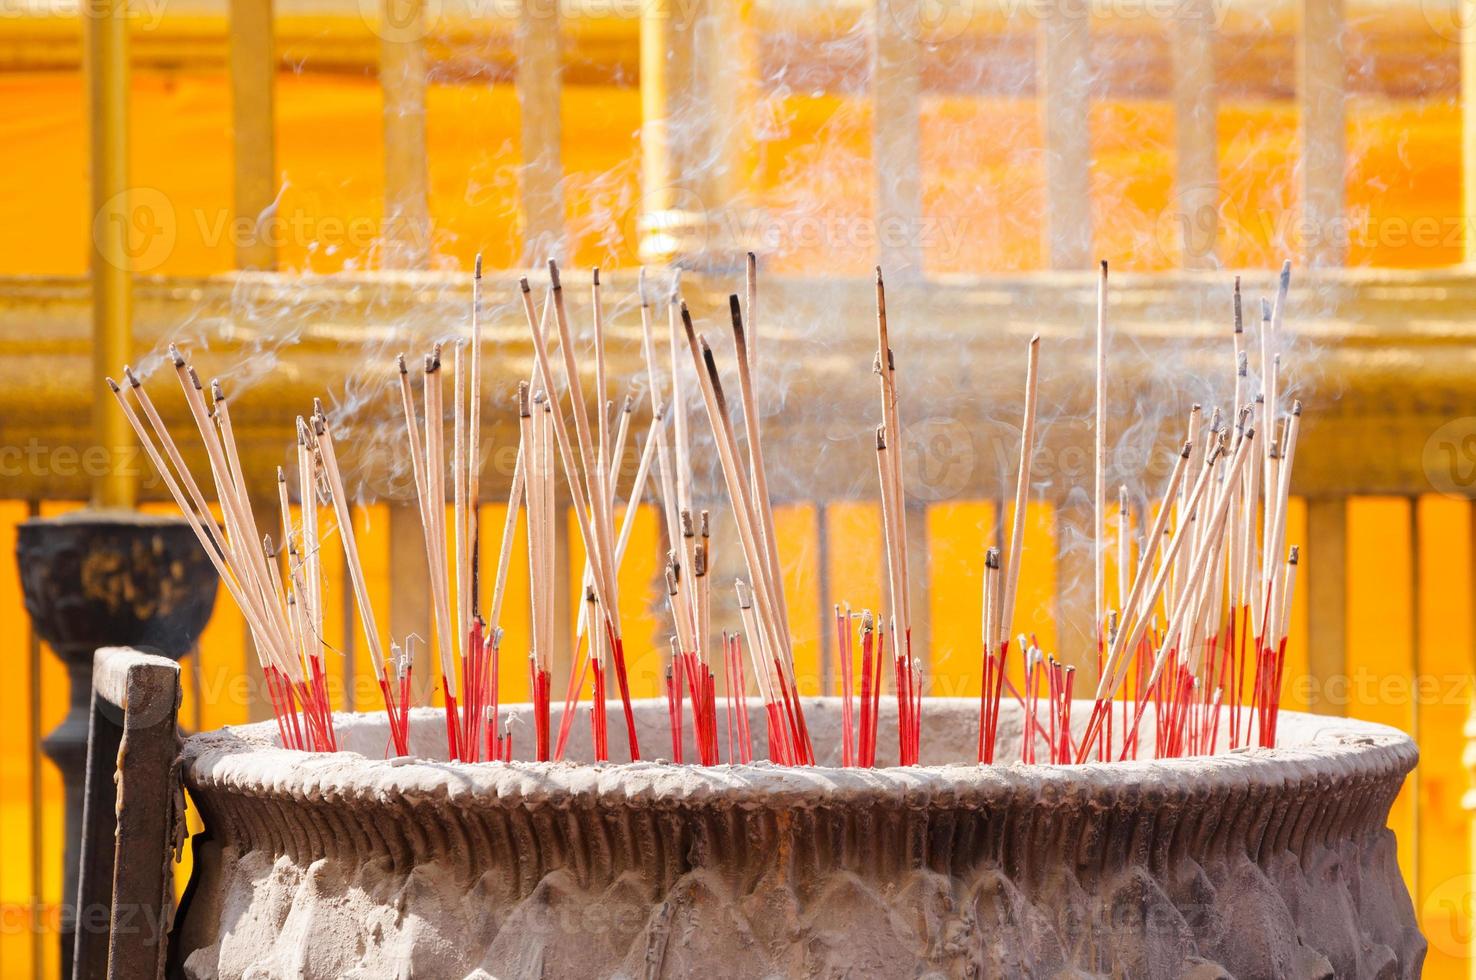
(1253, 864)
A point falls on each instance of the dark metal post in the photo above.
(106, 578)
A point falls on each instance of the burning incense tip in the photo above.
(217, 391)
(113, 385)
(400, 363)
(523, 284)
(596, 273)
(553, 276)
(524, 409)
(133, 378)
(477, 266)
(195, 379)
(281, 475)
(176, 356)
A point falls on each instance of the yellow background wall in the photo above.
(1409, 560)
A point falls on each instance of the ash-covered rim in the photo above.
(1316, 750)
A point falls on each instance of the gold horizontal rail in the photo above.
(1391, 51)
(1383, 360)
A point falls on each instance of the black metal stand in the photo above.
(100, 578)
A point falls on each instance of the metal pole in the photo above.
(106, 36)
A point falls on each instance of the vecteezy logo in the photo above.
(931, 21)
(939, 458)
(1446, 915)
(1451, 19)
(1196, 225)
(142, 220)
(400, 21)
(1450, 458)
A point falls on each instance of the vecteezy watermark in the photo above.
(1447, 913)
(939, 458)
(1450, 19)
(409, 21)
(145, 15)
(930, 21)
(1163, 11)
(145, 228)
(39, 460)
(675, 221)
(143, 221)
(1449, 458)
(1198, 223)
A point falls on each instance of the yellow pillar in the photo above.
(1467, 28)
(660, 61)
(1064, 92)
(539, 92)
(1196, 170)
(896, 71)
(105, 27)
(1322, 66)
(403, 27)
(253, 66)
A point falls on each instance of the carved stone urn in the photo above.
(106, 578)
(1259, 863)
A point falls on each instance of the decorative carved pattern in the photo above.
(1254, 864)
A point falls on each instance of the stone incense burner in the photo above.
(1251, 864)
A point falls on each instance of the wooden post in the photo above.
(1327, 597)
(539, 89)
(253, 70)
(128, 817)
(1063, 90)
(1196, 175)
(1321, 79)
(896, 77)
(402, 74)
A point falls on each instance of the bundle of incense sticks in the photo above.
(762, 604)
(284, 611)
(1194, 627)
(1202, 620)
(908, 680)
